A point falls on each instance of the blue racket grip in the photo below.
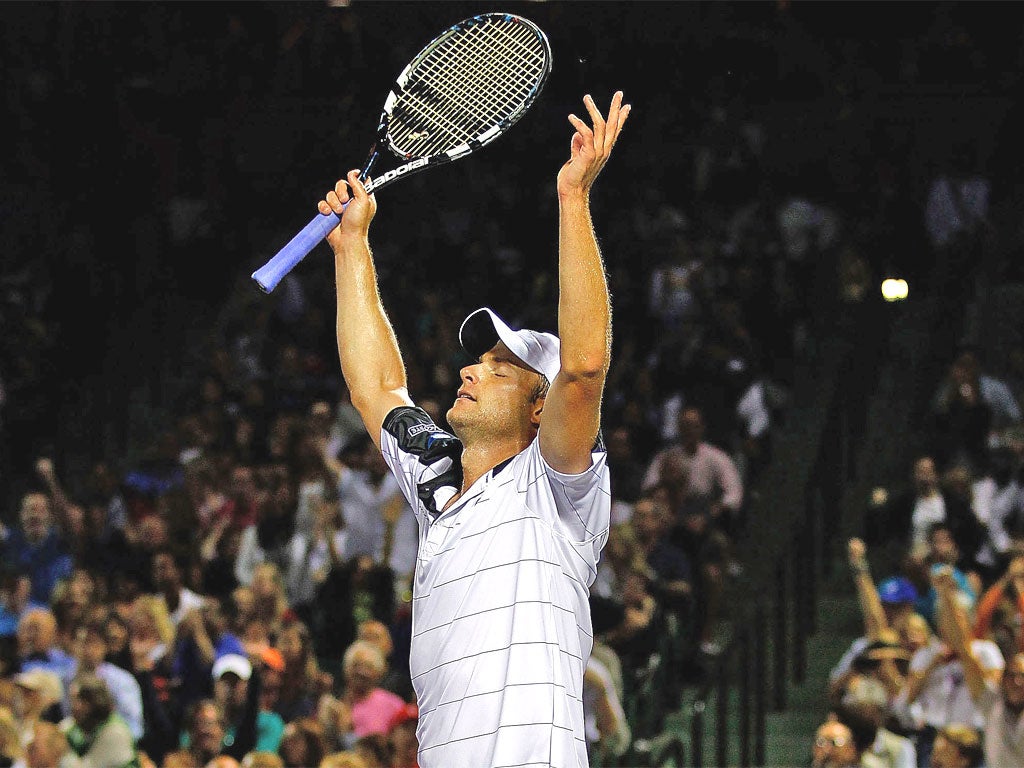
(271, 273)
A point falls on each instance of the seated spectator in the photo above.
(169, 569)
(15, 599)
(11, 747)
(865, 715)
(942, 551)
(95, 732)
(710, 472)
(670, 567)
(967, 369)
(344, 759)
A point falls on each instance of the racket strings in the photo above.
(472, 81)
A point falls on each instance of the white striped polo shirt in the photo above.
(501, 616)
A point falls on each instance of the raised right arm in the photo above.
(367, 348)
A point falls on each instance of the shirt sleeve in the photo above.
(581, 502)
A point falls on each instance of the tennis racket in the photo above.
(467, 87)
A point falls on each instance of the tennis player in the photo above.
(513, 508)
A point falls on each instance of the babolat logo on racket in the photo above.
(394, 173)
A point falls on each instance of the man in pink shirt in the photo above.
(712, 474)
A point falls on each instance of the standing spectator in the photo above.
(1000, 613)
(1001, 702)
(36, 547)
(247, 726)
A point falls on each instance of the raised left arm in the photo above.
(572, 410)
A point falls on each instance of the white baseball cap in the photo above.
(482, 329)
(232, 662)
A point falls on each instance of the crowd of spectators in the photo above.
(937, 677)
(232, 585)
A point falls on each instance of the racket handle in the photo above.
(271, 273)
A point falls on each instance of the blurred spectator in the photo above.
(303, 743)
(302, 681)
(95, 732)
(608, 732)
(402, 738)
(49, 748)
(37, 643)
(904, 520)
(362, 707)
(957, 746)
(37, 547)
(205, 728)
(90, 657)
(237, 689)
(169, 569)
(834, 747)
(1000, 613)
(396, 677)
(38, 699)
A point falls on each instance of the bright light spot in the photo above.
(894, 289)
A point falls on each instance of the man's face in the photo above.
(495, 396)
(691, 427)
(35, 516)
(833, 747)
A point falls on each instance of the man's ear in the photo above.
(536, 409)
